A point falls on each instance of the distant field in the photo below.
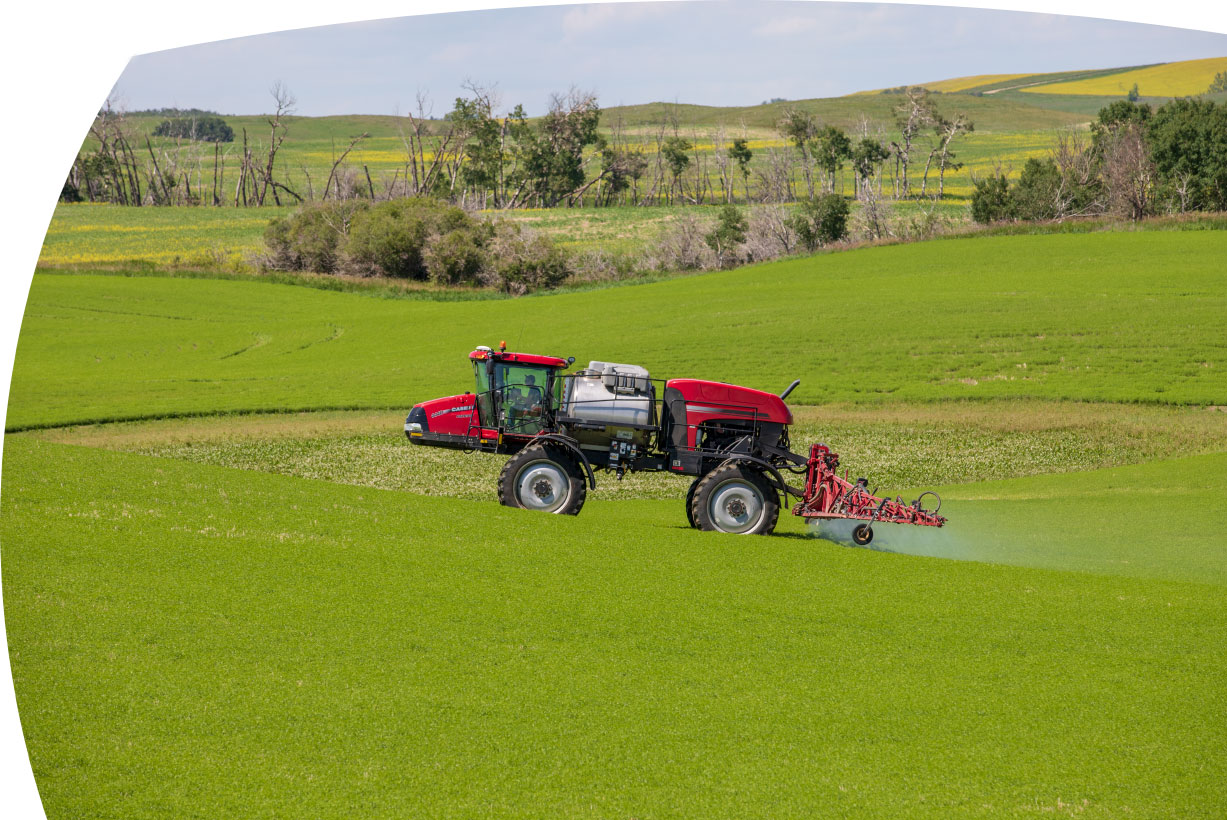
(314, 143)
(102, 234)
(84, 233)
(1181, 79)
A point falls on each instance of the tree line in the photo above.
(1135, 161)
(476, 156)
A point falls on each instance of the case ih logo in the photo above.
(438, 413)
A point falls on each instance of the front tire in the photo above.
(735, 498)
(543, 478)
(690, 501)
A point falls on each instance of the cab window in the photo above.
(522, 396)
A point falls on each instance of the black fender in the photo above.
(572, 445)
(769, 468)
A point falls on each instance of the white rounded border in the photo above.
(61, 60)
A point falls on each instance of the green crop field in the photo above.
(233, 589)
(1082, 317)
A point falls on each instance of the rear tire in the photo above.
(735, 498)
(545, 478)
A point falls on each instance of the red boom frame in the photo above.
(827, 495)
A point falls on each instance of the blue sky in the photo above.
(713, 53)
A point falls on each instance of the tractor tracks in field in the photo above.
(337, 332)
(262, 339)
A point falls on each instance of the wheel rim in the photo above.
(542, 485)
(735, 506)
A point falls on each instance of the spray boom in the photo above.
(830, 496)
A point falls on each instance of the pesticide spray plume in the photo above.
(933, 542)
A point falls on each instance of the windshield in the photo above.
(522, 400)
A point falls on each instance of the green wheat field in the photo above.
(233, 589)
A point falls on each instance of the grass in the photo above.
(899, 446)
(106, 234)
(1132, 317)
(185, 636)
(346, 625)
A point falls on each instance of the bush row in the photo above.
(416, 238)
(425, 239)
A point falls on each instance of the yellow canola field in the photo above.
(957, 83)
(964, 83)
(1181, 79)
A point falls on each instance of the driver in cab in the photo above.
(525, 401)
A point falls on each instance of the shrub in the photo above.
(991, 200)
(521, 261)
(312, 238)
(728, 235)
(456, 257)
(1037, 193)
(821, 220)
(390, 238)
(682, 245)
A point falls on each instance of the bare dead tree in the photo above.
(1078, 191)
(913, 113)
(1129, 172)
(284, 106)
(332, 173)
(776, 179)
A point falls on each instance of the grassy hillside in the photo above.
(1086, 317)
(845, 112)
(193, 640)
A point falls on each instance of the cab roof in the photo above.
(519, 358)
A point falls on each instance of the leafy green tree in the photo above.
(866, 157)
(205, 129)
(831, 147)
(991, 200)
(552, 155)
(621, 167)
(481, 134)
(741, 154)
(1219, 83)
(799, 128)
(1134, 95)
(1188, 143)
(676, 152)
(728, 234)
(820, 221)
(1118, 115)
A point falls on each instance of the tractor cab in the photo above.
(517, 393)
